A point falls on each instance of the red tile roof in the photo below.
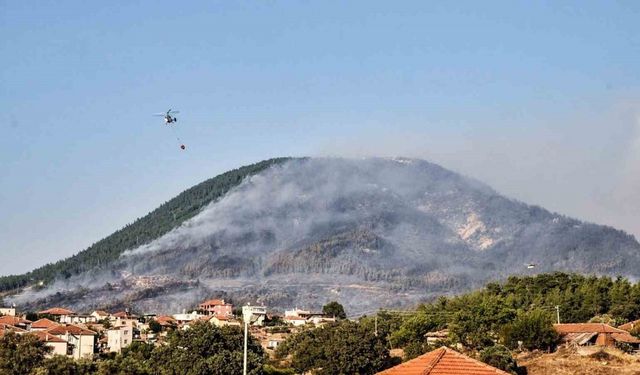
(631, 325)
(44, 323)
(585, 327)
(595, 328)
(56, 311)
(71, 329)
(13, 320)
(46, 337)
(101, 313)
(625, 337)
(443, 361)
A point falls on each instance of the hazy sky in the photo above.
(541, 100)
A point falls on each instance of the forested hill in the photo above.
(307, 230)
(143, 230)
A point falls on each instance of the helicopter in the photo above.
(168, 119)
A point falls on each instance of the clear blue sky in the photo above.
(472, 85)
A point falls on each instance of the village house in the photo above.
(296, 317)
(295, 320)
(58, 346)
(119, 338)
(43, 324)
(100, 315)
(8, 311)
(123, 319)
(185, 317)
(220, 321)
(5, 328)
(166, 321)
(57, 312)
(122, 316)
(81, 341)
(16, 322)
(78, 319)
(599, 334)
(298, 313)
(443, 361)
(299, 317)
(217, 307)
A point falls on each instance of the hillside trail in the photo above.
(581, 361)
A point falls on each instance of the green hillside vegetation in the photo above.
(485, 322)
(145, 229)
(520, 309)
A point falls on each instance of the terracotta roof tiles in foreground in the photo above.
(443, 361)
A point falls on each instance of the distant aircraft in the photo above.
(530, 265)
(168, 119)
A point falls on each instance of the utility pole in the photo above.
(558, 313)
(247, 314)
(244, 362)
